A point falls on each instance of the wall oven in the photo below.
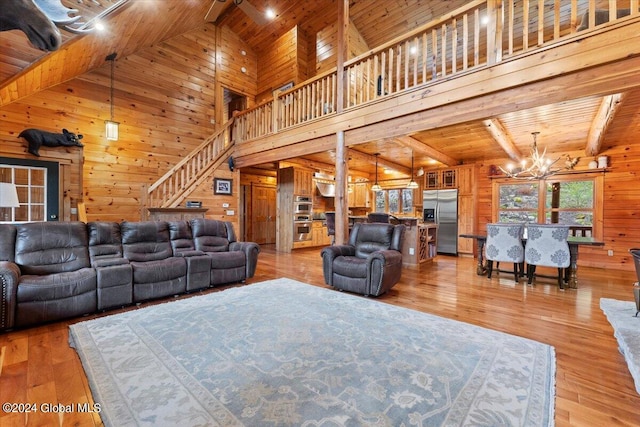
(302, 227)
(302, 205)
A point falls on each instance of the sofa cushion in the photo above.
(51, 247)
(222, 260)
(159, 271)
(56, 286)
(105, 243)
(350, 266)
(181, 238)
(146, 241)
(372, 238)
(210, 235)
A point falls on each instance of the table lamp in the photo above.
(8, 198)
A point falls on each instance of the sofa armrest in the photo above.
(251, 251)
(9, 278)
(108, 262)
(189, 253)
(330, 253)
(384, 269)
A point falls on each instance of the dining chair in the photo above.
(330, 218)
(504, 244)
(547, 246)
(635, 253)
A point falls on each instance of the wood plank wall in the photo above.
(165, 100)
(326, 42)
(287, 61)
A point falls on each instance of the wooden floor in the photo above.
(593, 384)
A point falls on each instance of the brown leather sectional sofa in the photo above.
(56, 270)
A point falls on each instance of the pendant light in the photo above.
(412, 184)
(376, 186)
(111, 126)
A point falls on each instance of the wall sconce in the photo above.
(111, 126)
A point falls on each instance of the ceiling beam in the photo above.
(216, 9)
(370, 158)
(609, 106)
(416, 145)
(502, 137)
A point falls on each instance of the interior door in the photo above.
(263, 214)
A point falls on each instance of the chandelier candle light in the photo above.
(538, 166)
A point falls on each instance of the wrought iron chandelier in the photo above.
(538, 166)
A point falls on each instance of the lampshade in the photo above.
(8, 195)
(111, 130)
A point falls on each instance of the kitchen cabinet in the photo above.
(464, 179)
(359, 196)
(419, 244)
(319, 235)
(302, 182)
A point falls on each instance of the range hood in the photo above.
(325, 184)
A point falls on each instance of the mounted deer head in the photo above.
(37, 19)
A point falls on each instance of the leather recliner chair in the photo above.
(370, 264)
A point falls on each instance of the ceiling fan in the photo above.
(219, 5)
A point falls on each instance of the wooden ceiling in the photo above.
(565, 127)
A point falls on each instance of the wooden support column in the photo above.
(341, 201)
(342, 168)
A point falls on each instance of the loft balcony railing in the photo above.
(480, 34)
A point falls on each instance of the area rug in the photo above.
(282, 352)
(626, 329)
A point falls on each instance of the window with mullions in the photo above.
(395, 201)
(36, 184)
(562, 200)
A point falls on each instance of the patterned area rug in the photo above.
(626, 329)
(283, 352)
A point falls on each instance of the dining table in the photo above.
(571, 275)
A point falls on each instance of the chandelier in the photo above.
(538, 166)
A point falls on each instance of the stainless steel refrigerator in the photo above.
(441, 207)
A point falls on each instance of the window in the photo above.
(395, 201)
(569, 200)
(37, 185)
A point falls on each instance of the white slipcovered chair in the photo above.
(504, 244)
(547, 246)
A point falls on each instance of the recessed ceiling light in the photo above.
(99, 26)
(270, 13)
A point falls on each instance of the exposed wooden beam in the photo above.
(423, 148)
(609, 106)
(502, 137)
(216, 9)
(365, 157)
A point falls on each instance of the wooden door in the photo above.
(263, 217)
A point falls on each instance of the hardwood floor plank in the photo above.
(593, 384)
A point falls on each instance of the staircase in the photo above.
(175, 186)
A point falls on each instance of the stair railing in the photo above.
(175, 185)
